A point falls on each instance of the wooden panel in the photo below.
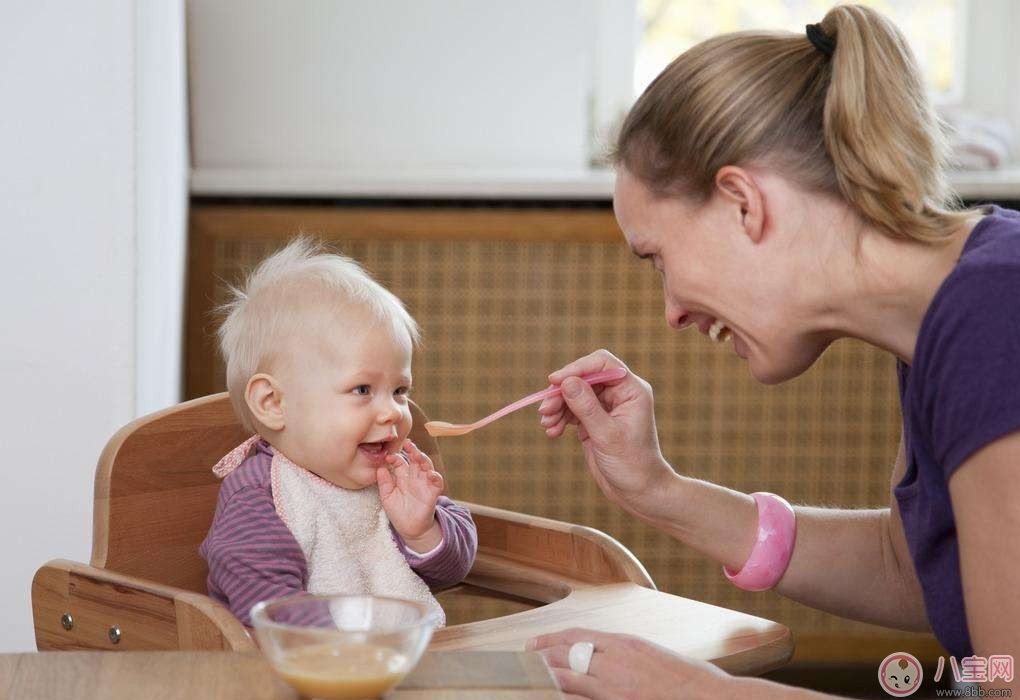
(146, 620)
(50, 588)
(256, 222)
(156, 535)
(150, 615)
(578, 553)
(155, 493)
(203, 624)
(210, 225)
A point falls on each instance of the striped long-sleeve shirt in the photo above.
(253, 555)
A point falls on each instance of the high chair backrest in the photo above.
(155, 493)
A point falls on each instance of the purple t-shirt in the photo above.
(961, 393)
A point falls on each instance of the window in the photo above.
(934, 28)
(965, 50)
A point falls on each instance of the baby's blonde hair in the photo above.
(275, 301)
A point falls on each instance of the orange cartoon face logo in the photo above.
(900, 674)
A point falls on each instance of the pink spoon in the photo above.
(438, 428)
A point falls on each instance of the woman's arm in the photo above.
(985, 491)
(850, 562)
(853, 563)
(845, 562)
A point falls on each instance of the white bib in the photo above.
(345, 536)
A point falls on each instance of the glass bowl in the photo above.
(337, 647)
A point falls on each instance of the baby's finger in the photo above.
(401, 469)
(419, 455)
(385, 481)
(436, 479)
(395, 459)
(419, 470)
(416, 452)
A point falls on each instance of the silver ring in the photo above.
(579, 657)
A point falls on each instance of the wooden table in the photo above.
(224, 675)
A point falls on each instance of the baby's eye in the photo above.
(402, 391)
(363, 390)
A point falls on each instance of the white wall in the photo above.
(70, 238)
(161, 142)
(341, 86)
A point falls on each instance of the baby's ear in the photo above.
(265, 401)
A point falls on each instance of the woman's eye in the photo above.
(363, 390)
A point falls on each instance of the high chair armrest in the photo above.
(542, 559)
(77, 606)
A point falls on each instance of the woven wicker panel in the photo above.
(498, 315)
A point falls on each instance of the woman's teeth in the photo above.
(718, 332)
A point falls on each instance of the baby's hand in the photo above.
(409, 493)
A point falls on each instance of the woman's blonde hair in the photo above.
(857, 123)
(283, 295)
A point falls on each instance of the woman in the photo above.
(789, 191)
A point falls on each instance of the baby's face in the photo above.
(345, 401)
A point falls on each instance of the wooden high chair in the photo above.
(145, 588)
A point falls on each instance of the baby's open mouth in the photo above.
(373, 450)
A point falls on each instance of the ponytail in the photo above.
(886, 145)
(855, 122)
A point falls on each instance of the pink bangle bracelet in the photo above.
(777, 530)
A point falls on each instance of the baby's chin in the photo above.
(354, 479)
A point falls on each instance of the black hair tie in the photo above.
(820, 39)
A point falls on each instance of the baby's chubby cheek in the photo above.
(406, 423)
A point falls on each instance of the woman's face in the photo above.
(715, 271)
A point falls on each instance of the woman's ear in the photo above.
(738, 187)
(265, 401)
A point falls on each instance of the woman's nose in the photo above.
(678, 318)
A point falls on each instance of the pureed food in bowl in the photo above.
(341, 647)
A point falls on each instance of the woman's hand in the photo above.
(629, 667)
(409, 494)
(616, 426)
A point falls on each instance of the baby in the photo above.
(328, 495)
